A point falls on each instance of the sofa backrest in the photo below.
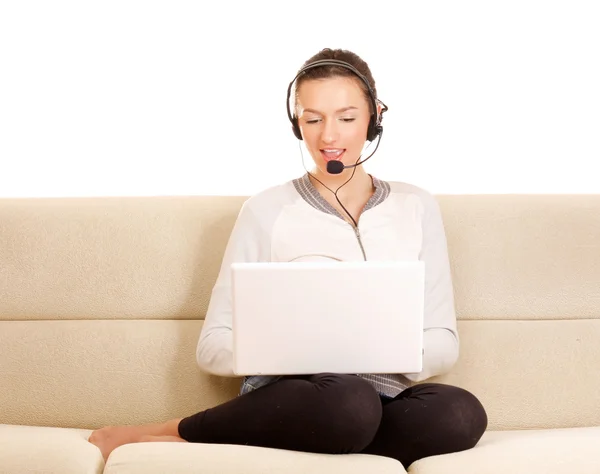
(102, 301)
(526, 272)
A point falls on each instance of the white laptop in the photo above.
(315, 317)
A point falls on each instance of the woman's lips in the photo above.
(332, 154)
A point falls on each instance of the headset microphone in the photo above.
(336, 167)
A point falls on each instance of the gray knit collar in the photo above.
(309, 193)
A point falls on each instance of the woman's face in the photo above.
(333, 115)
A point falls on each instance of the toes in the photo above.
(94, 437)
(97, 435)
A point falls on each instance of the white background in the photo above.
(173, 97)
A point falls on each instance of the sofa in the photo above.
(102, 300)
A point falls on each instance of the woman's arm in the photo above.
(440, 336)
(247, 243)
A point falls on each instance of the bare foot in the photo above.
(111, 437)
(170, 439)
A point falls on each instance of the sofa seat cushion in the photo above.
(178, 458)
(30, 449)
(551, 451)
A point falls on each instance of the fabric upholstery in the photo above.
(119, 372)
(522, 452)
(524, 256)
(110, 257)
(33, 450)
(180, 458)
(531, 374)
(87, 374)
(513, 257)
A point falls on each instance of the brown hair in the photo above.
(326, 72)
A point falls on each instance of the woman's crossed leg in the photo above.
(327, 413)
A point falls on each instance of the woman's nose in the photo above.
(330, 131)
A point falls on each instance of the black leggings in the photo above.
(337, 414)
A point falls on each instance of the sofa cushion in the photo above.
(555, 451)
(90, 374)
(29, 449)
(176, 458)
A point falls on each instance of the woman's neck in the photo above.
(360, 186)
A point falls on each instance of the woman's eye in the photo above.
(311, 121)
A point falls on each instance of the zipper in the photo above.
(362, 249)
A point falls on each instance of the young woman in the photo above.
(339, 211)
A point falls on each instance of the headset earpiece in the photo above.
(296, 128)
(373, 130)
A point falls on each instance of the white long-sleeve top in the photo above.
(292, 221)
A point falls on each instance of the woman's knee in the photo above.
(353, 405)
(465, 417)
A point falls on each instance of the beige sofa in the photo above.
(102, 300)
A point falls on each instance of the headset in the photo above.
(373, 131)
